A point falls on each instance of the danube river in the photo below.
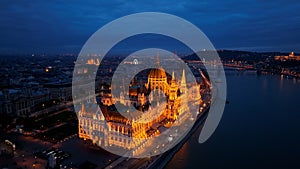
(260, 127)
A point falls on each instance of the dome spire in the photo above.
(173, 76)
(157, 60)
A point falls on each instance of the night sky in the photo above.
(64, 26)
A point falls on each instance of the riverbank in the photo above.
(161, 161)
(282, 73)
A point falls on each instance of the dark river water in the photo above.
(260, 127)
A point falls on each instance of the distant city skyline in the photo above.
(52, 27)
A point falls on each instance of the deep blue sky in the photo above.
(64, 26)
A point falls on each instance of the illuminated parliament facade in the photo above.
(109, 128)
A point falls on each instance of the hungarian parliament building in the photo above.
(107, 127)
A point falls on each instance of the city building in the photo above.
(92, 61)
(22, 102)
(60, 90)
(291, 56)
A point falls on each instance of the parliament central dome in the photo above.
(157, 73)
(157, 78)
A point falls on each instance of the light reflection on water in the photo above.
(259, 128)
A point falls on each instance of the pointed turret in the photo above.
(183, 82)
(82, 108)
(173, 88)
